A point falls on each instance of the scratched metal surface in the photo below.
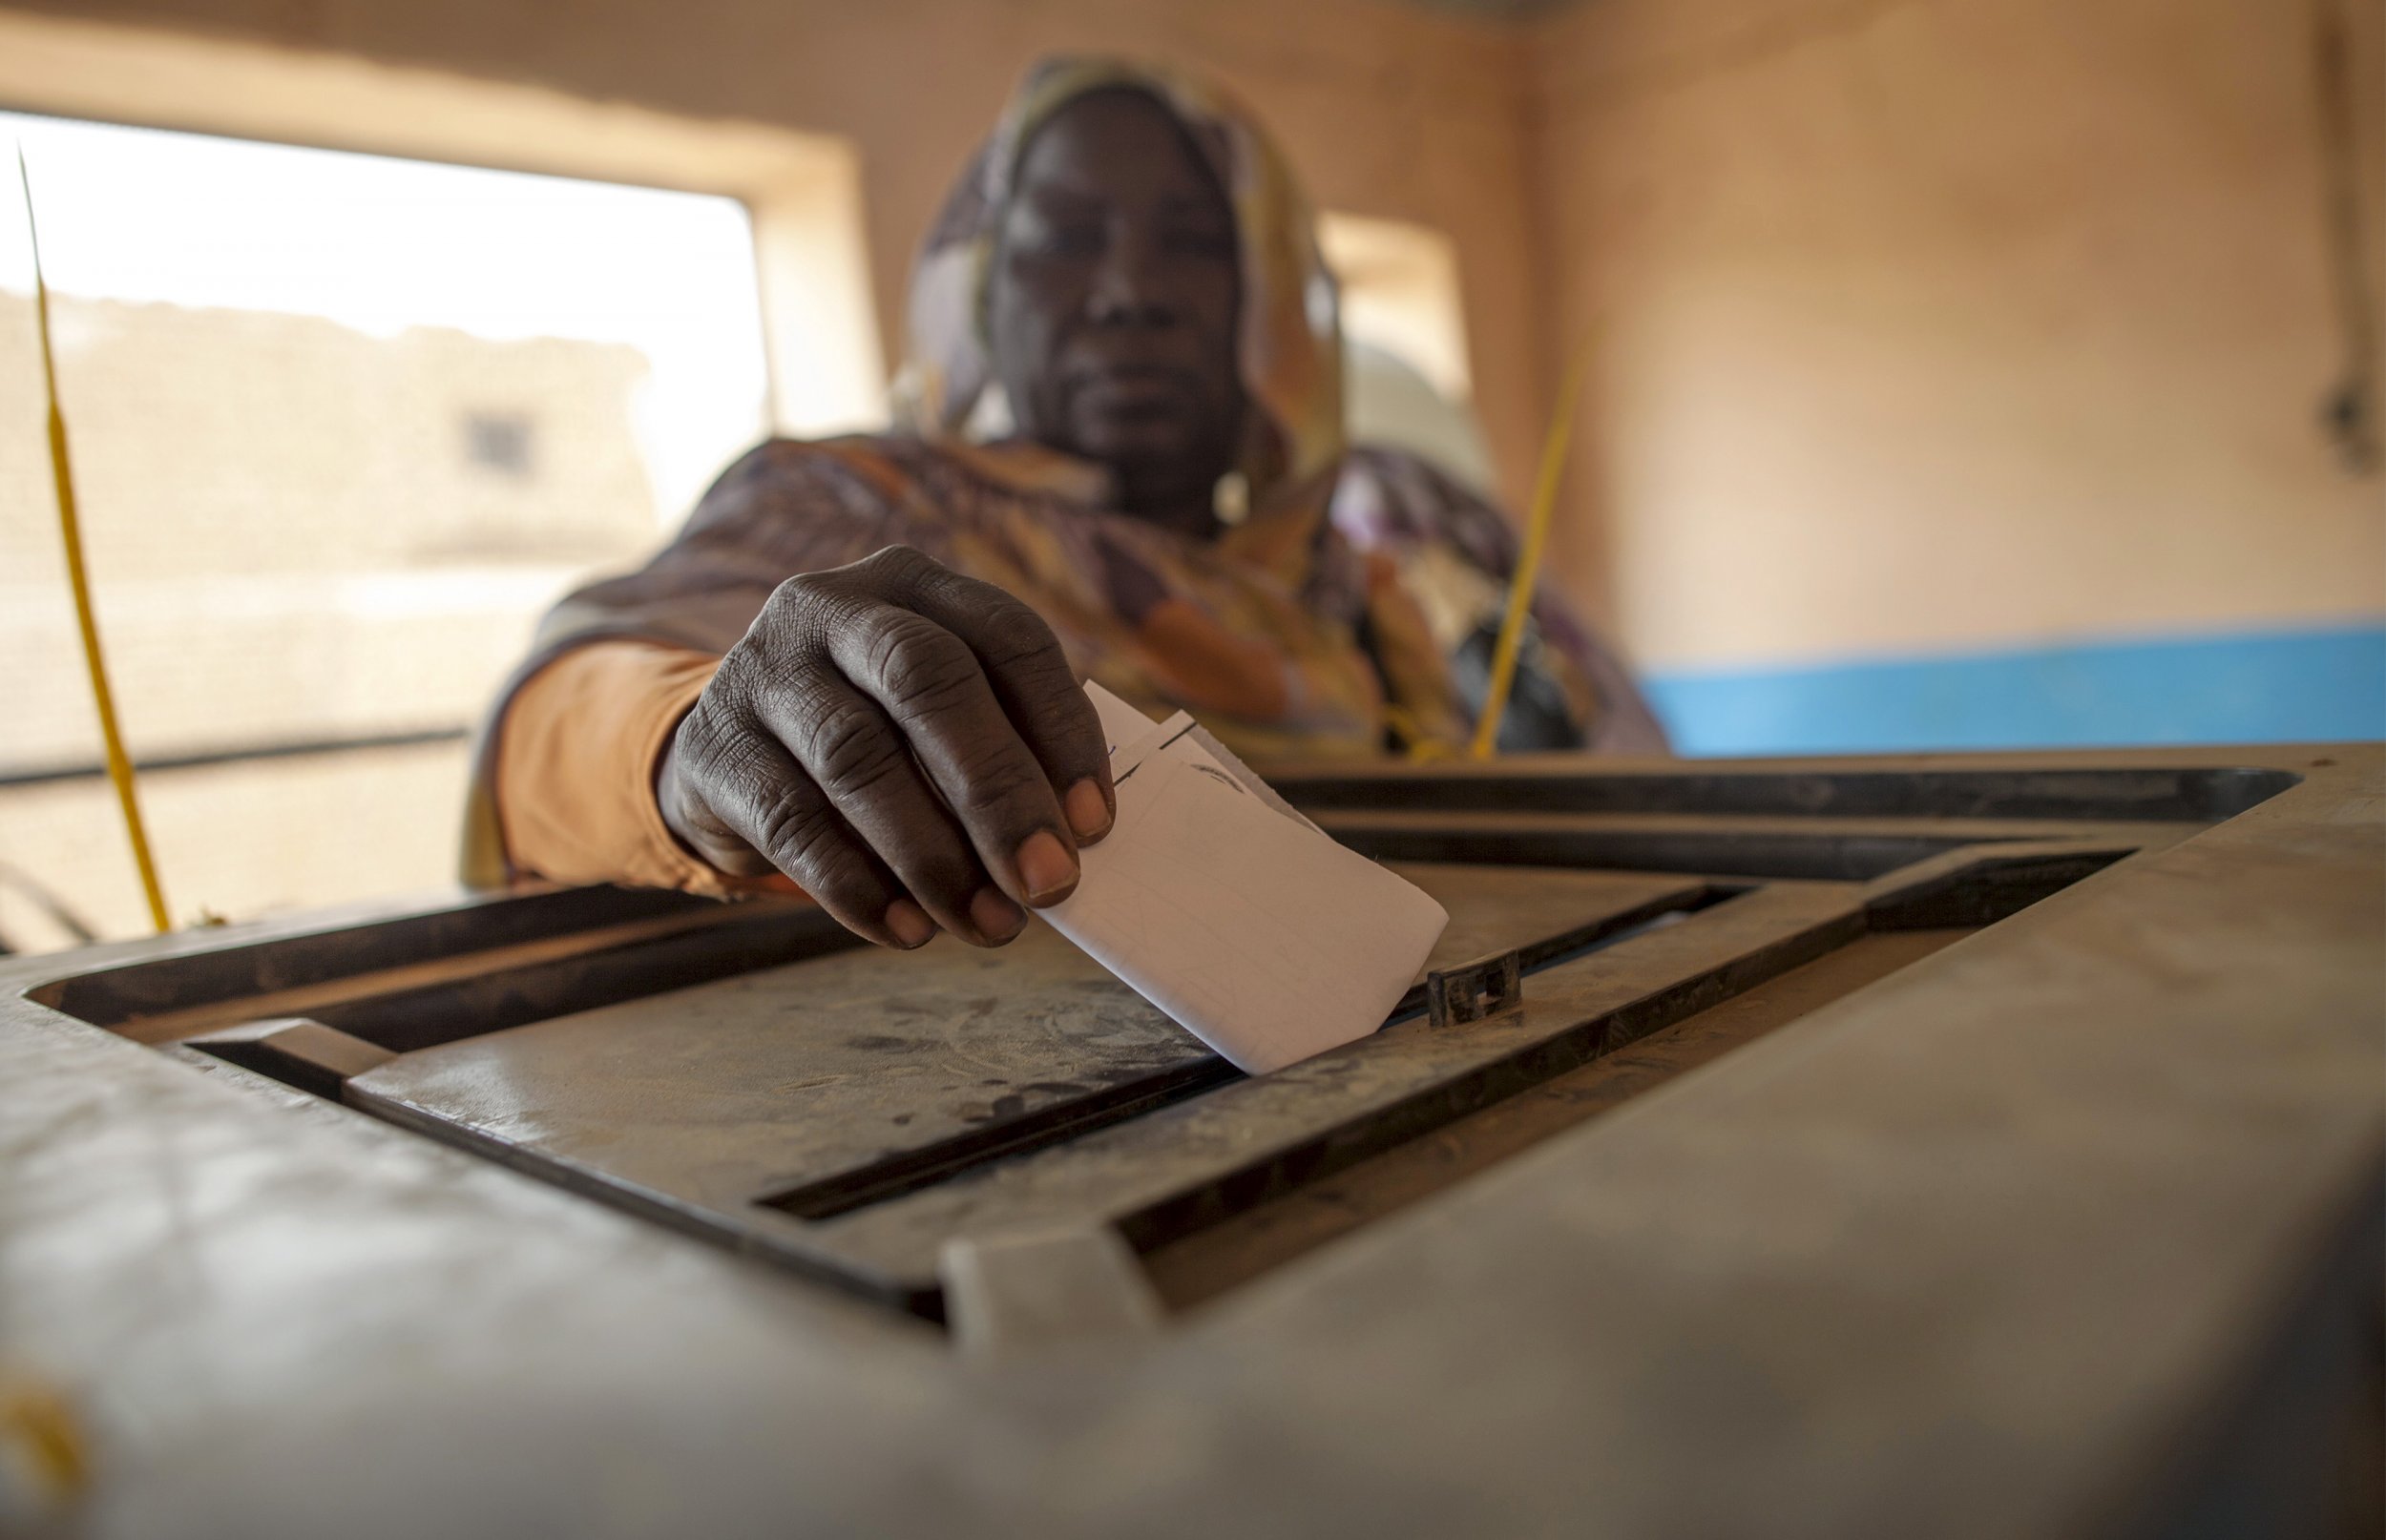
(1984, 1249)
(724, 1094)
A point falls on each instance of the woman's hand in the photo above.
(906, 743)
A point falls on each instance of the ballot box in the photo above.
(1973, 1144)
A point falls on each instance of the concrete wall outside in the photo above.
(374, 579)
(378, 579)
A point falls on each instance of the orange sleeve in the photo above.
(577, 757)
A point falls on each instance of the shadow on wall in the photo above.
(2302, 686)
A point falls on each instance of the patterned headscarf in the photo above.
(1289, 345)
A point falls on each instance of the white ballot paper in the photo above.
(1216, 902)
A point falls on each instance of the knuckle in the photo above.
(848, 747)
(1016, 635)
(731, 767)
(797, 595)
(771, 651)
(899, 565)
(776, 657)
(801, 837)
(743, 792)
(743, 765)
(920, 665)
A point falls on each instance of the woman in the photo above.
(855, 669)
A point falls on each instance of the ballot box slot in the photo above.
(916, 1170)
(1692, 1019)
(2196, 795)
(1208, 1241)
(734, 943)
(1495, 1079)
(348, 945)
(1608, 930)
(443, 998)
(1177, 1181)
(925, 1168)
(1990, 885)
(1756, 850)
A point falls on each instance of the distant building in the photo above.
(296, 530)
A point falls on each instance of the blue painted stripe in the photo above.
(2310, 686)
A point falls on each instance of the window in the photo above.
(344, 425)
(1404, 332)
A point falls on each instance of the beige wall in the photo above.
(1387, 110)
(1920, 324)
(1951, 324)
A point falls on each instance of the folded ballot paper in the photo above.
(1222, 905)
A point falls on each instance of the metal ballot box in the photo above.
(1982, 1144)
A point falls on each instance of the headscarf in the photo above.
(1290, 341)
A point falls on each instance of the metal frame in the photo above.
(2035, 1234)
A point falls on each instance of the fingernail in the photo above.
(1046, 869)
(996, 916)
(1089, 814)
(909, 922)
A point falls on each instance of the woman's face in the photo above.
(1112, 301)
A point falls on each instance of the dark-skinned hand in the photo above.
(907, 744)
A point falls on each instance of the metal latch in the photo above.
(1473, 990)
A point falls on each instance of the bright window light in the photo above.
(343, 427)
(379, 245)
